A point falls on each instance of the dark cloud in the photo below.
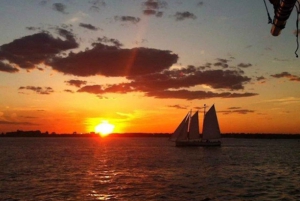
(152, 7)
(193, 95)
(287, 75)
(60, 7)
(133, 20)
(34, 28)
(39, 90)
(96, 5)
(88, 26)
(179, 16)
(149, 12)
(31, 50)
(7, 68)
(76, 83)
(169, 84)
(114, 61)
(244, 65)
(155, 4)
(17, 123)
(260, 78)
(179, 94)
(69, 91)
(178, 107)
(222, 63)
(108, 41)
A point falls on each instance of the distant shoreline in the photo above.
(166, 135)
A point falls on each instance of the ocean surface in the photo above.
(137, 169)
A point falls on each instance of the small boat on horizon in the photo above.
(187, 133)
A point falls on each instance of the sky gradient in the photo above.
(66, 66)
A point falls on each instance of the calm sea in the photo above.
(138, 169)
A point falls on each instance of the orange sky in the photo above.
(142, 65)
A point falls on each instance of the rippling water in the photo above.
(147, 169)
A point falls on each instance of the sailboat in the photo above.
(187, 133)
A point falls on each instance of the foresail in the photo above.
(194, 127)
(180, 129)
(211, 128)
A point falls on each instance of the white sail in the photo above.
(181, 129)
(194, 127)
(211, 128)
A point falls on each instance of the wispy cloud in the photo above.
(39, 90)
(153, 7)
(76, 83)
(131, 19)
(179, 16)
(287, 75)
(88, 26)
(96, 5)
(237, 110)
(60, 7)
(178, 107)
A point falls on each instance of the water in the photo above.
(138, 169)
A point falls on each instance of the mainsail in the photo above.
(211, 128)
(194, 127)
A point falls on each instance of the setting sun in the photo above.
(105, 128)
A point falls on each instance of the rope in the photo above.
(297, 29)
(269, 17)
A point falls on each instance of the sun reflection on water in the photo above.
(100, 196)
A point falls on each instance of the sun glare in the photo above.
(104, 129)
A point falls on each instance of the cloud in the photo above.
(133, 20)
(114, 61)
(194, 95)
(176, 84)
(200, 3)
(29, 51)
(96, 5)
(155, 4)
(260, 78)
(68, 90)
(88, 26)
(152, 7)
(237, 110)
(60, 7)
(234, 108)
(178, 107)
(17, 123)
(39, 90)
(76, 83)
(7, 68)
(149, 12)
(222, 63)
(244, 65)
(34, 28)
(179, 16)
(287, 75)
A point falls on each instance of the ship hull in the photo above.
(197, 143)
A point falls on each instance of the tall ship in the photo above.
(187, 132)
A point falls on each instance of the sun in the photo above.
(104, 129)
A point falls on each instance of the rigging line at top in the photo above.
(269, 17)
